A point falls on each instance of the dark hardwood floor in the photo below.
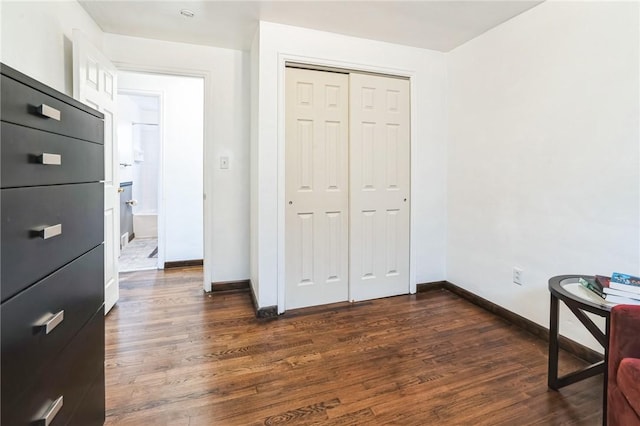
(178, 356)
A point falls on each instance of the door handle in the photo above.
(51, 321)
(50, 159)
(290, 203)
(49, 112)
(51, 231)
(120, 190)
(51, 412)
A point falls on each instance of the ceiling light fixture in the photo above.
(188, 13)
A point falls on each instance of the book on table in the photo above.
(590, 284)
(621, 300)
(600, 286)
(625, 282)
(602, 282)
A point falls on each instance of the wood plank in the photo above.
(178, 356)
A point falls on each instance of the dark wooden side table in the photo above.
(579, 300)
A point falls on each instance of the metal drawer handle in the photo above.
(49, 112)
(50, 159)
(51, 412)
(51, 231)
(51, 322)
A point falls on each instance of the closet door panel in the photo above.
(317, 189)
(379, 186)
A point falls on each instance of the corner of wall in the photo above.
(254, 59)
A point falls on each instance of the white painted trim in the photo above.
(161, 184)
(283, 58)
(207, 172)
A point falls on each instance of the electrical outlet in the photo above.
(517, 275)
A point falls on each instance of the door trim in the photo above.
(208, 158)
(313, 67)
(283, 59)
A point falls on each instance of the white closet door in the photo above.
(317, 192)
(379, 187)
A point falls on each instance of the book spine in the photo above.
(624, 287)
(622, 300)
(602, 282)
(622, 293)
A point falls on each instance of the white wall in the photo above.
(146, 169)
(181, 184)
(139, 142)
(128, 113)
(543, 163)
(226, 134)
(36, 39)
(428, 78)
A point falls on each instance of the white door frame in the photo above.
(283, 58)
(207, 172)
(161, 206)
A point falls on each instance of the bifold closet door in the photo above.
(379, 186)
(316, 188)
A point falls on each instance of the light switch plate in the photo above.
(224, 162)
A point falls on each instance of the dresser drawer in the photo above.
(92, 408)
(21, 104)
(45, 227)
(69, 375)
(32, 157)
(66, 300)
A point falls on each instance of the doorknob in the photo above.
(290, 203)
(405, 200)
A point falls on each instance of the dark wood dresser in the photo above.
(51, 256)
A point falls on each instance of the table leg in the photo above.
(553, 343)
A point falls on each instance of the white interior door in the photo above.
(317, 188)
(95, 84)
(379, 186)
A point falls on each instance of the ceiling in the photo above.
(436, 25)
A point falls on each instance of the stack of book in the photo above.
(619, 288)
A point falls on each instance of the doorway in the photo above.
(161, 144)
(347, 186)
(139, 143)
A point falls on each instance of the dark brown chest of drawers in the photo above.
(51, 256)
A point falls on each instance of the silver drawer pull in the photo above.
(51, 321)
(51, 412)
(49, 112)
(50, 159)
(51, 231)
